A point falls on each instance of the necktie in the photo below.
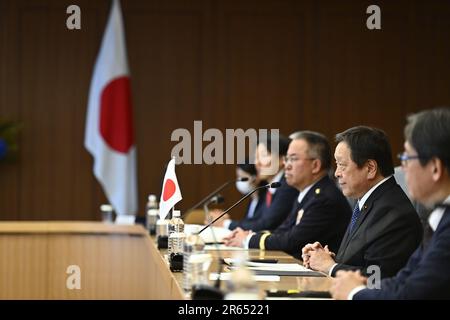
(355, 216)
(427, 235)
(268, 198)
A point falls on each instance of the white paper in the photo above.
(225, 276)
(276, 268)
(223, 247)
(209, 235)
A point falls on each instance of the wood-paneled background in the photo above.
(283, 64)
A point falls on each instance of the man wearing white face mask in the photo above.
(268, 208)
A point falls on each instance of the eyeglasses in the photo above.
(404, 157)
(292, 159)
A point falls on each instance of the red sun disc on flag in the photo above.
(169, 189)
(116, 118)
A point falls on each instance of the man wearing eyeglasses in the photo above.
(319, 212)
(426, 162)
(385, 228)
(276, 203)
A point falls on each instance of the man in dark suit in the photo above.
(319, 212)
(277, 202)
(426, 162)
(384, 229)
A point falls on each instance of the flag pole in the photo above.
(171, 215)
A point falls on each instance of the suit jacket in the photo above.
(386, 233)
(272, 216)
(326, 214)
(425, 276)
(257, 213)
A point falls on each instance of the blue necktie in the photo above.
(355, 216)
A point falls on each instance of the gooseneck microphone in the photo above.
(201, 292)
(270, 185)
(212, 194)
(217, 199)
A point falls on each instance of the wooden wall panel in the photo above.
(9, 187)
(52, 102)
(231, 64)
(166, 83)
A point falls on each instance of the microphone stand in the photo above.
(270, 185)
(212, 194)
(208, 292)
(216, 244)
(203, 291)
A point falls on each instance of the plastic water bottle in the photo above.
(176, 224)
(152, 214)
(162, 233)
(176, 240)
(198, 270)
(193, 244)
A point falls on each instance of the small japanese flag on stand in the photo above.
(171, 193)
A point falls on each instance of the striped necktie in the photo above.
(355, 216)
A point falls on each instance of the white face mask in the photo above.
(244, 187)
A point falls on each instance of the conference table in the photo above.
(43, 260)
(286, 283)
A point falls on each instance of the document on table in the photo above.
(209, 235)
(223, 247)
(225, 276)
(280, 269)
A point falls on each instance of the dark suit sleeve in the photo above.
(390, 286)
(274, 215)
(317, 219)
(426, 275)
(235, 223)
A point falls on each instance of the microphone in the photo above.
(217, 199)
(212, 194)
(270, 185)
(201, 292)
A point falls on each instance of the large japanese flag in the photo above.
(171, 192)
(109, 124)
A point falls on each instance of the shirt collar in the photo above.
(277, 178)
(368, 193)
(436, 216)
(303, 193)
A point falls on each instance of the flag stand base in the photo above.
(176, 262)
